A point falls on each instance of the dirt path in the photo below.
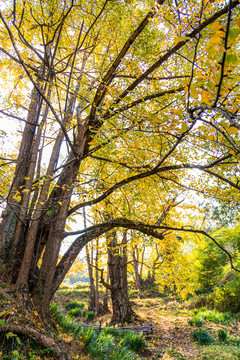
(172, 333)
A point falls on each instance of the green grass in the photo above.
(196, 321)
(213, 316)
(74, 305)
(106, 345)
(220, 352)
(133, 341)
(75, 312)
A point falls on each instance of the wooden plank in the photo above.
(145, 329)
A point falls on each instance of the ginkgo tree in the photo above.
(118, 98)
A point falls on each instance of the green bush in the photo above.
(122, 353)
(214, 316)
(133, 341)
(75, 312)
(227, 297)
(90, 315)
(222, 335)
(87, 335)
(202, 336)
(196, 321)
(105, 347)
(74, 305)
(84, 313)
(64, 322)
(112, 331)
(109, 344)
(102, 346)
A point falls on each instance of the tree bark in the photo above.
(117, 265)
(91, 281)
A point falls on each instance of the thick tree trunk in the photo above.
(14, 222)
(117, 264)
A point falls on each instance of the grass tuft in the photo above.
(203, 337)
(222, 335)
(74, 305)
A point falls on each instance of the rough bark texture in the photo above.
(117, 265)
(91, 280)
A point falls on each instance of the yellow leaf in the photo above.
(205, 97)
(233, 130)
(26, 191)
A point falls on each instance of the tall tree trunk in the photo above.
(12, 216)
(97, 280)
(92, 289)
(135, 256)
(91, 281)
(106, 296)
(117, 264)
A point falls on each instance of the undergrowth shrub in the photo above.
(202, 336)
(66, 323)
(73, 305)
(133, 341)
(86, 336)
(84, 313)
(90, 315)
(77, 312)
(112, 331)
(222, 335)
(102, 346)
(123, 353)
(110, 344)
(196, 321)
(227, 297)
(215, 316)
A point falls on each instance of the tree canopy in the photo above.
(128, 110)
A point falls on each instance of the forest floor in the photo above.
(172, 335)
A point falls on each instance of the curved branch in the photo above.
(92, 232)
(108, 115)
(151, 172)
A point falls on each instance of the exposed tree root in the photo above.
(5, 293)
(38, 337)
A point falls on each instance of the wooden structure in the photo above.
(145, 329)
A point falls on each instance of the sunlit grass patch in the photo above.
(220, 352)
(213, 316)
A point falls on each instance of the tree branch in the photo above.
(107, 79)
(172, 51)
